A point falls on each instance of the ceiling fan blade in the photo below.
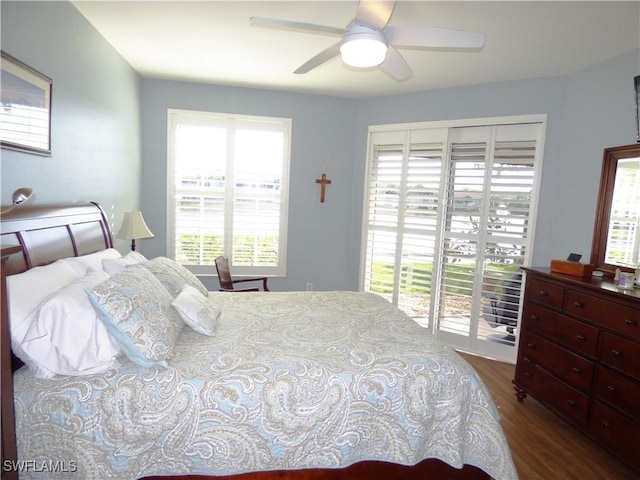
(276, 22)
(434, 37)
(319, 59)
(395, 65)
(375, 12)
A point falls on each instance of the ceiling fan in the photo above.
(368, 40)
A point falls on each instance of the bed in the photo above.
(252, 386)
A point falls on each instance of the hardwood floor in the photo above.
(544, 446)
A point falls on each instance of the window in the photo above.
(449, 216)
(228, 191)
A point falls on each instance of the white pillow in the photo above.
(66, 337)
(92, 261)
(25, 292)
(116, 265)
(196, 310)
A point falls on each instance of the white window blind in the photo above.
(449, 213)
(228, 184)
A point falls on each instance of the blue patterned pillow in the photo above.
(136, 309)
(172, 275)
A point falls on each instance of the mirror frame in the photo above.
(603, 210)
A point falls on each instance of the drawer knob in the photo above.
(616, 353)
(572, 403)
(582, 338)
(527, 374)
(630, 322)
(578, 304)
(576, 370)
(606, 423)
(542, 293)
(535, 318)
(611, 388)
(531, 346)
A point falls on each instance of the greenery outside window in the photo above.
(228, 191)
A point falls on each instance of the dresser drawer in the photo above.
(619, 391)
(566, 331)
(551, 391)
(616, 432)
(621, 354)
(621, 318)
(545, 293)
(572, 368)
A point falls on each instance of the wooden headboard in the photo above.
(48, 233)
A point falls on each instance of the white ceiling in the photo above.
(213, 41)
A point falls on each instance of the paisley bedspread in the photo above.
(290, 381)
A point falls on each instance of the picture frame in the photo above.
(25, 110)
(636, 81)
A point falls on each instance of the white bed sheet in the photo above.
(290, 381)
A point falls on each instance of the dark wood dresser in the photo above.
(579, 355)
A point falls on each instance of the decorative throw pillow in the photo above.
(172, 275)
(66, 337)
(197, 311)
(137, 311)
(116, 265)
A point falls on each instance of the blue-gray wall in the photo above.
(110, 135)
(586, 112)
(96, 105)
(322, 127)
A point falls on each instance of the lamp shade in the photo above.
(133, 227)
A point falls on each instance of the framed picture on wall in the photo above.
(25, 113)
(636, 82)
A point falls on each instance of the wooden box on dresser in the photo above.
(579, 355)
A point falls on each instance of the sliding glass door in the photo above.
(449, 217)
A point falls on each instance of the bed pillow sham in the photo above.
(137, 311)
(197, 311)
(92, 261)
(172, 275)
(25, 292)
(65, 336)
(117, 265)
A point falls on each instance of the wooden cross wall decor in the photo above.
(323, 181)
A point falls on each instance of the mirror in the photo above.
(616, 236)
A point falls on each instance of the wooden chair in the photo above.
(227, 283)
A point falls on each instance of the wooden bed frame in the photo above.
(37, 235)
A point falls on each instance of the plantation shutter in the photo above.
(385, 189)
(463, 209)
(464, 185)
(403, 198)
(228, 191)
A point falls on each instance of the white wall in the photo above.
(95, 112)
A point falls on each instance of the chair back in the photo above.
(224, 276)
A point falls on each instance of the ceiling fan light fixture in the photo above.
(363, 50)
